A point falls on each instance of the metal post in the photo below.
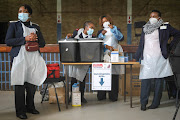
(131, 85)
(125, 83)
(67, 86)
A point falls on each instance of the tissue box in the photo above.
(76, 99)
(114, 56)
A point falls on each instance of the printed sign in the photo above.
(101, 76)
(129, 19)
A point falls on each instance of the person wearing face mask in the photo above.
(153, 53)
(28, 68)
(111, 35)
(79, 72)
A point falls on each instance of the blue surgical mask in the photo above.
(23, 16)
(90, 31)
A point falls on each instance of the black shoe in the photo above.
(103, 98)
(152, 107)
(83, 100)
(113, 100)
(34, 111)
(143, 107)
(22, 116)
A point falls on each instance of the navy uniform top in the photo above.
(15, 39)
(164, 35)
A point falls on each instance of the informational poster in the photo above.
(101, 76)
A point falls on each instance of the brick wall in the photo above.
(44, 14)
(75, 12)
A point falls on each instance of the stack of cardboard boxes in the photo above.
(136, 83)
(60, 93)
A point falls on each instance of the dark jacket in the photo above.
(14, 37)
(164, 35)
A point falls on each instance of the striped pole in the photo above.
(129, 21)
(59, 19)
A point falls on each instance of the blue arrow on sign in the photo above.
(101, 82)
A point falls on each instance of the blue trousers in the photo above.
(146, 89)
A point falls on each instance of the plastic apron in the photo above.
(110, 40)
(154, 65)
(79, 71)
(28, 66)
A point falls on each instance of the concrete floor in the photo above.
(93, 110)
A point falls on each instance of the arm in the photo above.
(74, 33)
(11, 40)
(41, 40)
(119, 36)
(176, 35)
(69, 35)
(140, 48)
(100, 35)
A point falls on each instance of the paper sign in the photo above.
(101, 76)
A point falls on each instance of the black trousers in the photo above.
(22, 103)
(81, 87)
(146, 89)
(113, 94)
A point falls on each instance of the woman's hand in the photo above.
(69, 35)
(111, 26)
(109, 48)
(34, 37)
(31, 37)
(103, 32)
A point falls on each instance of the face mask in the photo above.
(153, 20)
(23, 17)
(90, 31)
(105, 24)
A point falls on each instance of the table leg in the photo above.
(67, 87)
(130, 86)
(124, 83)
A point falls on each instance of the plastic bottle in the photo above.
(75, 87)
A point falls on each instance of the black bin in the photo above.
(69, 50)
(91, 50)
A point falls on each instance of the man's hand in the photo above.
(111, 26)
(103, 32)
(69, 35)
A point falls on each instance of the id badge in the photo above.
(163, 27)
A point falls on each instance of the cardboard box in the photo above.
(76, 99)
(61, 95)
(136, 83)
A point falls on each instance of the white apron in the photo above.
(110, 40)
(28, 66)
(79, 71)
(154, 65)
